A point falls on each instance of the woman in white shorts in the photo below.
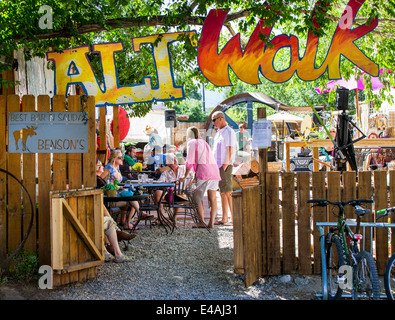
(200, 160)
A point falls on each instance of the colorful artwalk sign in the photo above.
(72, 66)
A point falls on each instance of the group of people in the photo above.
(211, 167)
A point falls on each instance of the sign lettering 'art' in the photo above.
(72, 66)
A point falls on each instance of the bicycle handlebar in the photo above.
(354, 202)
(385, 212)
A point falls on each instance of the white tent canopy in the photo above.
(284, 117)
(156, 119)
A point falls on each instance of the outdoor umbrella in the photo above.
(352, 83)
(284, 117)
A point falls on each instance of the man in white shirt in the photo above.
(224, 149)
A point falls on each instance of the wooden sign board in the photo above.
(48, 132)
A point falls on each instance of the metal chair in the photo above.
(187, 198)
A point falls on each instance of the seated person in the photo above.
(157, 159)
(174, 173)
(110, 231)
(112, 173)
(130, 156)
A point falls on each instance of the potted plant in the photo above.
(110, 190)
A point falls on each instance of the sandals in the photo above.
(132, 224)
(219, 223)
(146, 216)
(107, 257)
(121, 259)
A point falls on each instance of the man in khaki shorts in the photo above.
(224, 149)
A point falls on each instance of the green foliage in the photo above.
(24, 266)
(86, 22)
(192, 108)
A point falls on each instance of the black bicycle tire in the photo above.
(333, 243)
(373, 275)
(387, 277)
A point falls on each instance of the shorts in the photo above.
(211, 185)
(226, 183)
(109, 225)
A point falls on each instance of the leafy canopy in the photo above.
(85, 22)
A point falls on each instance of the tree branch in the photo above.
(130, 22)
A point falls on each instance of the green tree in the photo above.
(191, 108)
(85, 22)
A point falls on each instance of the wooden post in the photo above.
(261, 114)
(102, 128)
(115, 126)
(44, 188)
(3, 178)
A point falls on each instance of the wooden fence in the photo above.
(41, 174)
(282, 237)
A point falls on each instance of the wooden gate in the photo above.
(283, 238)
(41, 173)
(77, 242)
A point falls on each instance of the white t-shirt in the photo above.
(225, 137)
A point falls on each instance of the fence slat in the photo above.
(14, 189)
(75, 181)
(365, 191)
(89, 158)
(288, 222)
(29, 181)
(304, 229)
(90, 229)
(319, 215)
(59, 167)
(3, 178)
(333, 193)
(380, 202)
(59, 162)
(253, 252)
(238, 239)
(44, 188)
(273, 225)
(349, 192)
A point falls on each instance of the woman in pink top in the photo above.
(200, 160)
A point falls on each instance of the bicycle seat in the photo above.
(359, 211)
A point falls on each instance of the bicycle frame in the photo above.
(345, 233)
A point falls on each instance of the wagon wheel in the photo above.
(16, 251)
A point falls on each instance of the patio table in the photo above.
(166, 222)
(139, 198)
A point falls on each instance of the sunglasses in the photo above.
(120, 158)
(216, 119)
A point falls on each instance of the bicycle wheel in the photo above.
(389, 278)
(366, 279)
(334, 260)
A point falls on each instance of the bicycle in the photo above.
(339, 255)
(389, 273)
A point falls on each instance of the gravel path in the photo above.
(190, 264)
